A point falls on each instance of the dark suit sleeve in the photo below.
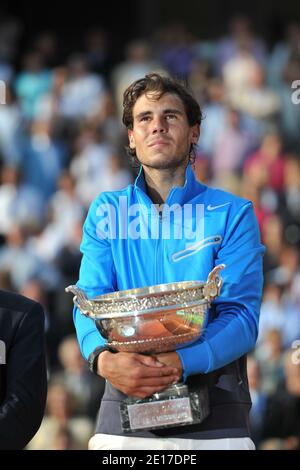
(22, 411)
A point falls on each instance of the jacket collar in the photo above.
(177, 195)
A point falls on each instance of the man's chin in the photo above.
(164, 164)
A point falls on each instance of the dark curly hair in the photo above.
(159, 85)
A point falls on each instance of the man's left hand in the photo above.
(170, 359)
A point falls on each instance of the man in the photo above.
(163, 122)
(23, 379)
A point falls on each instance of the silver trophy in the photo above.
(151, 320)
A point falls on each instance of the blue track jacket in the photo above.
(224, 230)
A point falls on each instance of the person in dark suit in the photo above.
(23, 376)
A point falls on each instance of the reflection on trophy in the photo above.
(150, 320)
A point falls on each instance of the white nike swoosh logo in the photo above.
(212, 208)
(191, 250)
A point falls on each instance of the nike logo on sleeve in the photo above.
(212, 208)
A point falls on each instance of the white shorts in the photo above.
(110, 442)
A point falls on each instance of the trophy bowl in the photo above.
(154, 319)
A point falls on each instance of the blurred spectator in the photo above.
(87, 388)
(10, 32)
(5, 281)
(97, 51)
(67, 263)
(240, 35)
(271, 314)
(63, 439)
(118, 176)
(21, 262)
(20, 203)
(65, 209)
(258, 102)
(231, 145)
(272, 234)
(175, 49)
(48, 107)
(238, 74)
(48, 242)
(95, 168)
(138, 62)
(69, 256)
(288, 264)
(214, 116)
(46, 44)
(279, 309)
(83, 94)
(258, 398)
(282, 52)
(269, 356)
(64, 213)
(60, 417)
(10, 130)
(289, 200)
(290, 112)
(35, 290)
(269, 159)
(44, 158)
(198, 79)
(251, 188)
(32, 83)
(282, 421)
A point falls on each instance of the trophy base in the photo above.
(173, 407)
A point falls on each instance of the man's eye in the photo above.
(170, 116)
(145, 118)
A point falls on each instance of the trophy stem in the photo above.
(179, 389)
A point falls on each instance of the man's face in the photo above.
(161, 135)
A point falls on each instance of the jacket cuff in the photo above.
(195, 359)
(90, 342)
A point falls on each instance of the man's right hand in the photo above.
(135, 374)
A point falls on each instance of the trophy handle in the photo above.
(80, 299)
(214, 283)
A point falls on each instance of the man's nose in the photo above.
(159, 125)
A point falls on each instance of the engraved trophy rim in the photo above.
(149, 291)
(150, 299)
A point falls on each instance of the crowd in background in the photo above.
(62, 142)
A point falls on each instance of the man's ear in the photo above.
(195, 134)
(131, 139)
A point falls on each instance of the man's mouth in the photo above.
(159, 142)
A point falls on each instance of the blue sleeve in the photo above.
(96, 277)
(232, 326)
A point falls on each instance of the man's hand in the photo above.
(135, 374)
(171, 359)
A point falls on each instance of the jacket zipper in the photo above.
(158, 253)
(158, 243)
